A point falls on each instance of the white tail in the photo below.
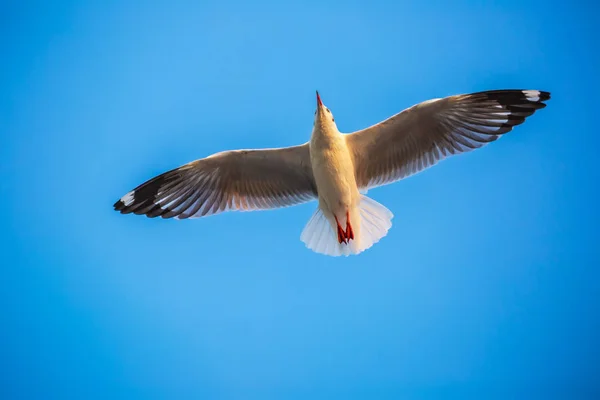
(320, 233)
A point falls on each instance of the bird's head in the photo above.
(323, 116)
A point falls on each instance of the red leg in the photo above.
(340, 232)
(349, 232)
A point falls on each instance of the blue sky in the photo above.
(487, 283)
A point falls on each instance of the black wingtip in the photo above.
(545, 96)
(518, 100)
(141, 200)
(542, 94)
(119, 205)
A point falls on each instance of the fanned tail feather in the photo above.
(320, 235)
(375, 222)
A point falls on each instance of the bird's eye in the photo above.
(328, 110)
(332, 119)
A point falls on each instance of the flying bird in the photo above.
(334, 168)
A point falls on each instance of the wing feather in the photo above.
(423, 135)
(232, 180)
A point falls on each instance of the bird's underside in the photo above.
(402, 145)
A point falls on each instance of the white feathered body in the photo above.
(334, 175)
(339, 198)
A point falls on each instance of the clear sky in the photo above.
(487, 283)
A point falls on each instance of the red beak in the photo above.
(319, 102)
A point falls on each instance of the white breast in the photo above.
(333, 171)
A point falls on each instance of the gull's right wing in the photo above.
(231, 180)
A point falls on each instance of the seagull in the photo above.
(335, 168)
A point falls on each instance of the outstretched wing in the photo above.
(421, 136)
(232, 180)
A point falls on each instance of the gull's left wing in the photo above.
(426, 133)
